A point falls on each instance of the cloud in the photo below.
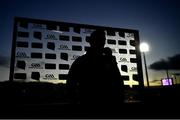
(4, 61)
(159, 65)
(172, 63)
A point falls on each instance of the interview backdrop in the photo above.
(44, 50)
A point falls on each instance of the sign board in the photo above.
(166, 81)
(44, 50)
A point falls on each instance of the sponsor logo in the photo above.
(130, 35)
(22, 55)
(36, 66)
(51, 37)
(88, 31)
(114, 51)
(74, 57)
(133, 69)
(64, 47)
(123, 60)
(49, 77)
(38, 26)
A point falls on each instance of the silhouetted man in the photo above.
(94, 78)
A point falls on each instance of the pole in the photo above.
(167, 72)
(146, 69)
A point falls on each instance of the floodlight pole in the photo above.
(167, 72)
(146, 69)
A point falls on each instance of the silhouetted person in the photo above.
(94, 78)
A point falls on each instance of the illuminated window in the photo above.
(166, 81)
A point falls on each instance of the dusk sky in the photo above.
(156, 20)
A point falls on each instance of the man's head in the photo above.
(97, 39)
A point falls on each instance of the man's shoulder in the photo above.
(80, 59)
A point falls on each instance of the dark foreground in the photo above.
(42, 100)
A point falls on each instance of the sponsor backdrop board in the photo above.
(44, 50)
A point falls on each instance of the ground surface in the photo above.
(42, 100)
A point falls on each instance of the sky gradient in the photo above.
(156, 20)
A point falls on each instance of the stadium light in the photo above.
(144, 47)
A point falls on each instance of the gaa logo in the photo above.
(130, 35)
(114, 51)
(21, 55)
(51, 37)
(36, 66)
(74, 57)
(63, 47)
(123, 60)
(133, 69)
(38, 26)
(49, 77)
(88, 31)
